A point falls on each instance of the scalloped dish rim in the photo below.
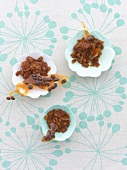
(37, 92)
(90, 71)
(67, 134)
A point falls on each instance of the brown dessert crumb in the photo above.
(54, 86)
(30, 86)
(56, 79)
(73, 61)
(8, 98)
(49, 79)
(53, 76)
(88, 51)
(33, 66)
(60, 118)
(50, 133)
(63, 81)
(12, 97)
(49, 89)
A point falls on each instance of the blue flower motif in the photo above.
(27, 152)
(103, 5)
(96, 97)
(95, 144)
(29, 34)
(25, 4)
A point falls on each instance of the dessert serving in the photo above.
(35, 75)
(89, 53)
(58, 123)
(33, 66)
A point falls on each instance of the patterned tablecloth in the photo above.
(99, 141)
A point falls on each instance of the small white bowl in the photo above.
(59, 136)
(36, 92)
(105, 59)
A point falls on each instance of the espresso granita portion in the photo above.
(58, 121)
(87, 51)
(35, 74)
(33, 66)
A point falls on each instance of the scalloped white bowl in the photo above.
(105, 60)
(36, 92)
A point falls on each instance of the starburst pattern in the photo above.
(23, 150)
(10, 109)
(102, 5)
(30, 34)
(24, 3)
(95, 96)
(97, 147)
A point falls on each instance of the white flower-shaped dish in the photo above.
(36, 92)
(105, 60)
(59, 136)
